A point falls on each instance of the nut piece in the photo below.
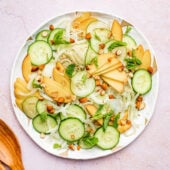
(42, 135)
(129, 53)
(111, 96)
(44, 33)
(78, 147)
(88, 36)
(61, 100)
(50, 109)
(130, 74)
(150, 70)
(109, 59)
(34, 68)
(51, 42)
(72, 40)
(73, 97)
(118, 52)
(96, 77)
(101, 46)
(71, 147)
(41, 67)
(142, 106)
(104, 86)
(102, 93)
(83, 100)
(121, 68)
(98, 83)
(139, 98)
(51, 27)
(40, 98)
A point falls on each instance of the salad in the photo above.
(84, 81)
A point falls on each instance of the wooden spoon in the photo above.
(10, 151)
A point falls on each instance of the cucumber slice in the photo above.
(81, 85)
(40, 53)
(43, 126)
(71, 129)
(29, 106)
(107, 139)
(90, 55)
(43, 35)
(42, 106)
(142, 81)
(99, 36)
(131, 43)
(74, 111)
(96, 24)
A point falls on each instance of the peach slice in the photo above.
(26, 68)
(116, 30)
(116, 85)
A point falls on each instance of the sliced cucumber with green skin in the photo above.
(71, 129)
(131, 43)
(40, 53)
(142, 81)
(43, 35)
(81, 85)
(42, 106)
(29, 106)
(107, 139)
(74, 111)
(90, 55)
(99, 36)
(96, 24)
(43, 126)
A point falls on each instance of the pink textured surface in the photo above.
(152, 149)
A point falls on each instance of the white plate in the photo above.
(46, 144)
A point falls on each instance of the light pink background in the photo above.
(18, 18)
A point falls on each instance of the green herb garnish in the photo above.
(106, 121)
(99, 109)
(35, 84)
(43, 116)
(56, 145)
(90, 141)
(116, 44)
(97, 37)
(115, 121)
(58, 38)
(84, 78)
(94, 61)
(70, 70)
(128, 29)
(132, 63)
